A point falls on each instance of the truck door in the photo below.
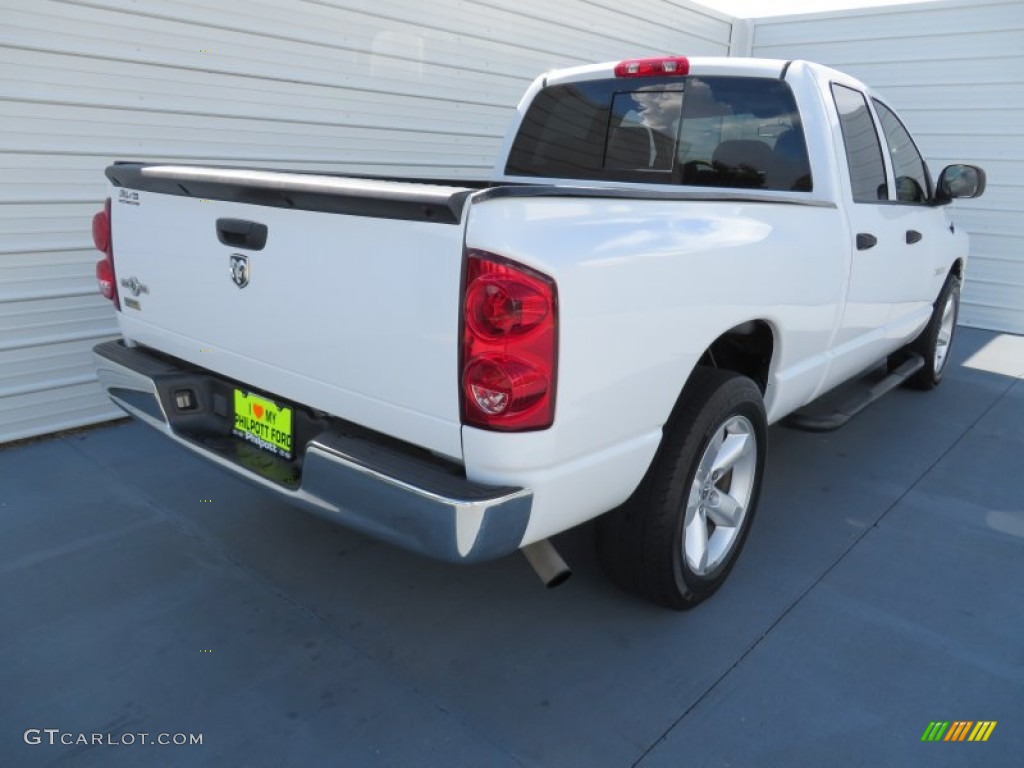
(879, 237)
(918, 267)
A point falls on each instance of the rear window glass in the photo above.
(702, 131)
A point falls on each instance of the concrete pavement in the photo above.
(882, 588)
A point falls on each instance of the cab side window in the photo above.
(907, 165)
(863, 149)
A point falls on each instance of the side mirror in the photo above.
(959, 181)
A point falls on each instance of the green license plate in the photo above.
(264, 423)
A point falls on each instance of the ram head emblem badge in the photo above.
(240, 269)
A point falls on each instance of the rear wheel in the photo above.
(936, 339)
(677, 538)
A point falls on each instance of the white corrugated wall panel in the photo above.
(955, 72)
(402, 87)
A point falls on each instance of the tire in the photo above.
(652, 545)
(936, 340)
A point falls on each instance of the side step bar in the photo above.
(826, 415)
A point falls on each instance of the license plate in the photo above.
(264, 423)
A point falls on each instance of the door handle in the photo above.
(865, 241)
(239, 233)
(913, 236)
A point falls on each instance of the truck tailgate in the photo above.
(351, 308)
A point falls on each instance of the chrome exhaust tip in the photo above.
(547, 563)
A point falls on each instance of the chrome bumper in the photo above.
(413, 501)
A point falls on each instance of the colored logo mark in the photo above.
(959, 730)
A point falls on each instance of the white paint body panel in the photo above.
(359, 316)
(352, 315)
(645, 286)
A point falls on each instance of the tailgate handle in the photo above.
(239, 233)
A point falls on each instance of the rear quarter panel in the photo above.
(644, 287)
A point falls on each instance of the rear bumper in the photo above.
(379, 487)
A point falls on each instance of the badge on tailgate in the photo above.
(264, 423)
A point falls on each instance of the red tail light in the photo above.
(509, 345)
(660, 67)
(105, 279)
(102, 239)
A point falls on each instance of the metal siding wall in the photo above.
(955, 73)
(405, 87)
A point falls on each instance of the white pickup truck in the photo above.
(673, 254)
